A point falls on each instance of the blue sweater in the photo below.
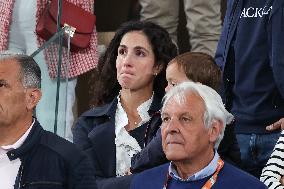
(255, 91)
(250, 52)
(229, 177)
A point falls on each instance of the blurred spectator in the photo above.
(17, 34)
(203, 20)
(31, 157)
(250, 52)
(129, 89)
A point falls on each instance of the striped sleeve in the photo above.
(274, 169)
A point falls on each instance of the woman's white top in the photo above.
(126, 145)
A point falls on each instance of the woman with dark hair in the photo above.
(128, 92)
(108, 86)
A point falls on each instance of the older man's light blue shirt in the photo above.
(205, 172)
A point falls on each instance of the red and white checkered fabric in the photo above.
(79, 62)
(5, 20)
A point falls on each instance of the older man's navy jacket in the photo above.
(229, 177)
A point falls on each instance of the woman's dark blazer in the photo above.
(95, 133)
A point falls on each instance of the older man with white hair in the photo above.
(194, 119)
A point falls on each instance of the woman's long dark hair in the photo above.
(106, 86)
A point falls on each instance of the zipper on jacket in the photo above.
(20, 175)
(42, 183)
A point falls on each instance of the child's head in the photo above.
(196, 67)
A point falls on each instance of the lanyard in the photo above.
(210, 182)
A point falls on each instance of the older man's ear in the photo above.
(33, 96)
(215, 130)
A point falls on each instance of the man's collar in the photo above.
(32, 139)
(205, 172)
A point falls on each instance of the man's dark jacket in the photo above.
(50, 162)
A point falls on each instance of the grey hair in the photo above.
(214, 107)
(30, 74)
